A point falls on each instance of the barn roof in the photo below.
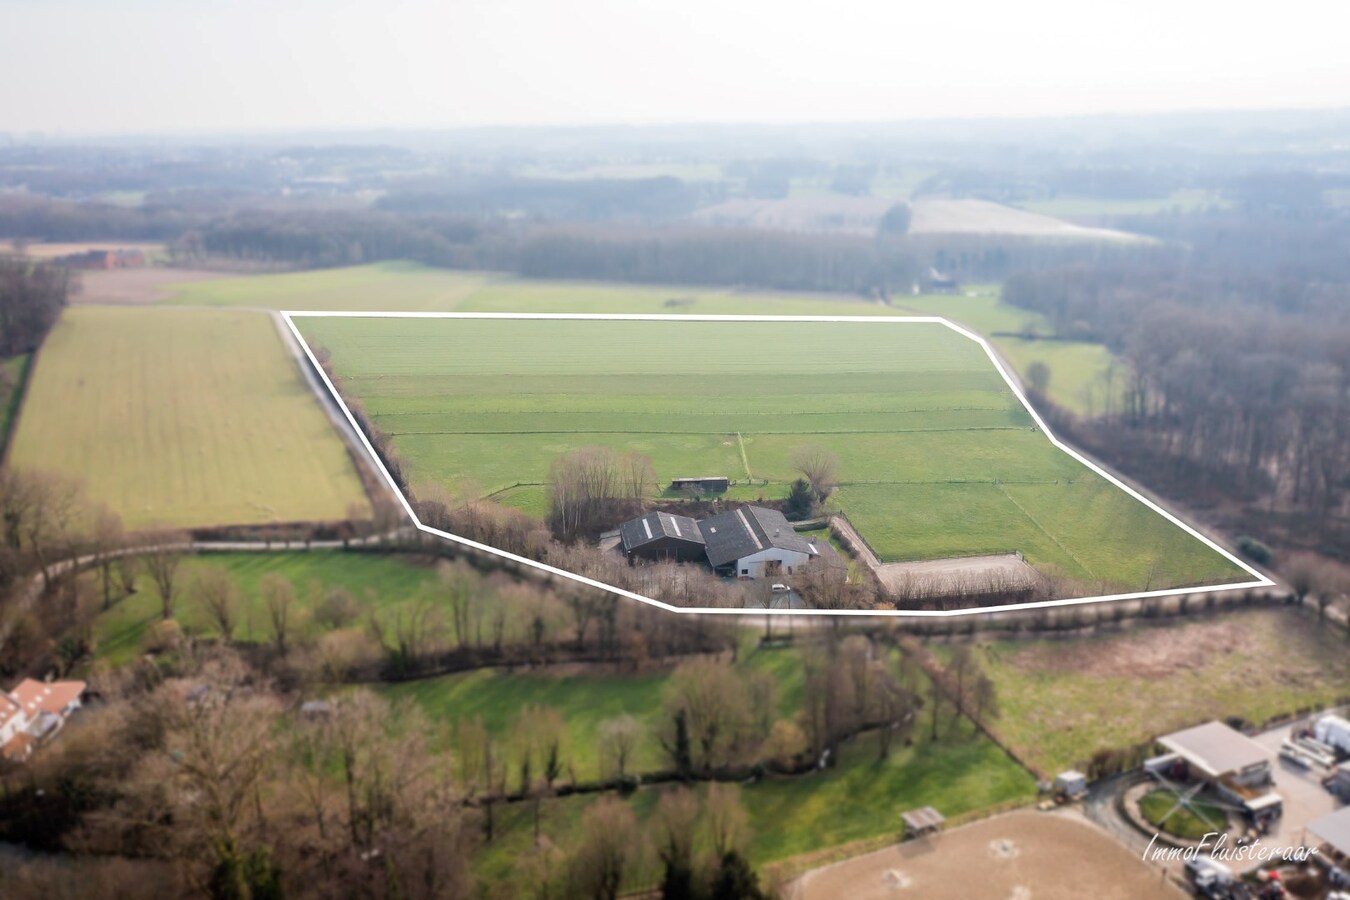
(1334, 830)
(747, 530)
(1216, 749)
(657, 525)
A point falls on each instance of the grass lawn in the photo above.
(585, 702)
(1254, 664)
(183, 418)
(936, 456)
(1084, 378)
(379, 583)
(857, 799)
(1190, 822)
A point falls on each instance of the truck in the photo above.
(1333, 731)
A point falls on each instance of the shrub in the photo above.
(1256, 551)
(337, 610)
(162, 636)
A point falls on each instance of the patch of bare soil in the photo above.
(1023, 855)
(1156, 651)
(135, 287)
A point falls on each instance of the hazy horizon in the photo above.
(80, 67)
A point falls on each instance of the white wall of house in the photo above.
(13, 726)
(753, 566)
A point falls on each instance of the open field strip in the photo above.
(183, 418)
(488, 403)
(1078, 371)
(1253, 664)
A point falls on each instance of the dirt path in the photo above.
(136, 287)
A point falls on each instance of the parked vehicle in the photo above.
(1334, 732)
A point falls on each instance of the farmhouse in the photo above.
(34, 711)
(753, 542)
(661, 536)
(1236, 766)
(747, 542)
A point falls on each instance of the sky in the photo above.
(143, 66)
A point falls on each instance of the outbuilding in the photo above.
(702, 484)
(660, 536)
(1236, 766)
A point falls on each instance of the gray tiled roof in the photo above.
(741, 532)
(656, 525)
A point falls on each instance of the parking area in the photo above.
(1305, 799)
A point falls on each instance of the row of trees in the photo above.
(1233, 382)
(32, 296)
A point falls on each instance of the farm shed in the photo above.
(707, 484)
(1334, 832)
(1237, 766)
(662, 536)
(754, 542)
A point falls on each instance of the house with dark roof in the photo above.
(754, 542)
(746, 542)
(662, 537)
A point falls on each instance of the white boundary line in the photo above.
(1260, 580)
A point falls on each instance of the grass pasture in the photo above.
(1254, 664)
(183, 418)
(859, 798)
(937, 457)
(1077, 370)
(380, 584)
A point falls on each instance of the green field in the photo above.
(857, 799)
(380, 584)
(183, 418)
(1254, 664)
(1077, 381)
(937, 457)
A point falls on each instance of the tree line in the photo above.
(1233, 383)
(32, 296)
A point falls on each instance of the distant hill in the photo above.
(840, 214)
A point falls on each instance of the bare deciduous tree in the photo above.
(279, 596)
(218, 596)
(819, 467)
(162, 555)
(619, 738)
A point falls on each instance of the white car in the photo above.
(780, 588)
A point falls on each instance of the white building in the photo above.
(754, 542)
(35, 710)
